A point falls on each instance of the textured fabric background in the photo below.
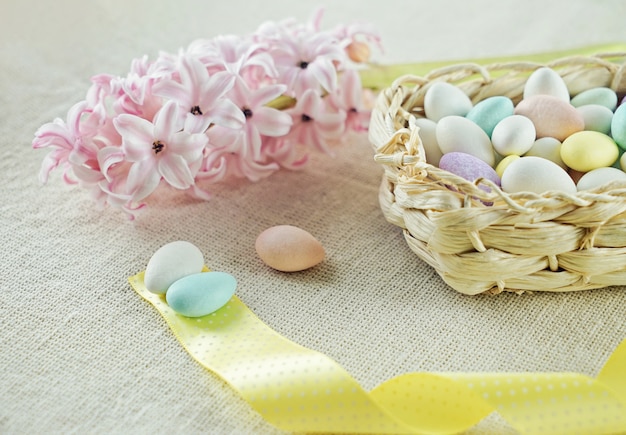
(80, 352)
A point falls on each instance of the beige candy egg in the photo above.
(551, 116)
(548, 148)
(289, 249)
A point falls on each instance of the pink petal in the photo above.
(316, 140)
(50, 162)
(172, 90)
(202, 194)
(255, 171)
(227, 114)
(167, 122)
(239, 93)
(137, 136)
(264, 61)
(87, 175)
(331, 124)
(175, 171)
(189, 146)
(53, 134)
(196, 123)
(289, 77)
(218, 85)
(266, 94)
(193, 74)
(253, 140)
(324, 72)
(271, 122)
(143, 179)
(108, 157)
(351, 90)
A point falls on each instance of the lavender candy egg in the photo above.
(469, 167)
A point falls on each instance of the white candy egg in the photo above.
(546, 81)
(548, 148)
(444, 99)
(170, 263)
(597, 117)
(459, 134)
(428, 136)
(599, 177)
(513, 135)
(536, 174)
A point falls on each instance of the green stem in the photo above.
(377, 77)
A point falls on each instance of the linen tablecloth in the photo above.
(80, 352)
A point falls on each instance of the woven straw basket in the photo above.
(523, 241)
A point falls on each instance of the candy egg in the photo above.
(469, 167)
(622, 162)
(428, 136)
(459, 134)
(575, 175)
(548, 148)
(488, 112)
(288, 248)
(504, 163)
(535, 174)
(444, 99)
(545, 81)
(618, 126)
(599, 177)
(603, 96)
(551, 116)
(170, 263)
(596, 117)
(513, 135)
(588, 150)
(201, 293)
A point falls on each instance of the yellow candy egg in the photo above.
(588, 150)
(504, 163)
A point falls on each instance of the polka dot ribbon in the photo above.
(301, 390)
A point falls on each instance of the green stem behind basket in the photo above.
(379, 76)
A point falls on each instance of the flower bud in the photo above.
(358, 51)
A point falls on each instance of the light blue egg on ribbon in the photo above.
(201, 294)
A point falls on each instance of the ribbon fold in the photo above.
(301, 390)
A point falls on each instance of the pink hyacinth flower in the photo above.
(201, 96)
(61, 136)
(158, 150)
(307, 60)
(246, 143)
(314, 124)
(238, 55)
(349, 99)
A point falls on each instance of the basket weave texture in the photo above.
(480, 241)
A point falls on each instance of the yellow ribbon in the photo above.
(301, 390)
